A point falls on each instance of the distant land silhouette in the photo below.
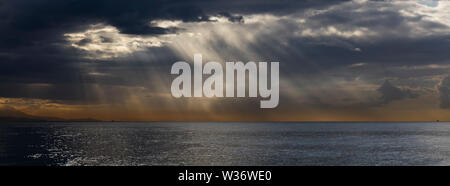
(11, 114)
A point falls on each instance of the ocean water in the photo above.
(216, 143)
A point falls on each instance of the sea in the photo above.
(224, 143)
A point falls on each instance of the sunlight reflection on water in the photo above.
(209, 143)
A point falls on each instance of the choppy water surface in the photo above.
(209, 143)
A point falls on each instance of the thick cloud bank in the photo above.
(339, 60)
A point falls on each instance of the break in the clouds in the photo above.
(339, 60)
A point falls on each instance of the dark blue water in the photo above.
(209, 143)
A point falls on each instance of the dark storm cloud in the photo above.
(444, 93)
(232, 18)
(386, 37)
(133, 16)
(35, 52)
(391, 93)
(33, 49)
(400, 51)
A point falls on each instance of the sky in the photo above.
(341, 60)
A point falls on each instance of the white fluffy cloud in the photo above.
(103, 41)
